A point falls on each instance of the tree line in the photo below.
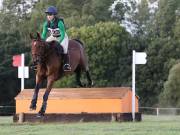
(108, 45)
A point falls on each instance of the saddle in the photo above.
(57, 47)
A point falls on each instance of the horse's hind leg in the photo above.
(78, 76)
(90, 82)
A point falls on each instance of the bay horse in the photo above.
(50, 66)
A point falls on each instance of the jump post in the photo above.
(79, 104)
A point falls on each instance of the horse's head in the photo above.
(37, 48)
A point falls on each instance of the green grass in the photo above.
(150, 125)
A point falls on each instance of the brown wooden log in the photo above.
(83, 117)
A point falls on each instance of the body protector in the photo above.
(56, 32)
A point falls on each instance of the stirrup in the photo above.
(67, 67)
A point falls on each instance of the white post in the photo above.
(157, 111)
(133, 85)
(137, 58)
(22, 65)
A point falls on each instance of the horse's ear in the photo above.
(38, 36)
(31, 36)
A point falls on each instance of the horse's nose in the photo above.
(35, 60)
(38, 60)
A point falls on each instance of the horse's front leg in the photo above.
(39, 79)
(50, 81)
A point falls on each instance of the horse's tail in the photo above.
(82, 50)
(79, 41)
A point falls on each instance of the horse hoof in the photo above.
(91, 84)
(40, 115)
(32, 108)
(83, 85)
(80, 84)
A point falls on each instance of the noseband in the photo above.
(39, 57)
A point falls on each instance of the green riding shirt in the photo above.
(54, 24)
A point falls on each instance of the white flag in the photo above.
(140, 58)
(20, 72)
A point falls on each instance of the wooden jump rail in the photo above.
(79, 104)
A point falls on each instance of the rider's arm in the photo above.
(45, 30)
(62, 30)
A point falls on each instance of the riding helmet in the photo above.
(51, 10)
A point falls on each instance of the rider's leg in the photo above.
(56, 42)
(64, 44)
(51, 38)
(66, 66)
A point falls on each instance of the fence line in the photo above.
(7, 110)
(157, 109)
(160, 108)
(7, 106)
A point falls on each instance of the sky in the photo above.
(1, 2)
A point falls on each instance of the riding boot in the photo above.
(59, 49)
(66, 66)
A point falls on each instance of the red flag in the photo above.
(16, 60)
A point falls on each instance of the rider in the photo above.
(55, 29)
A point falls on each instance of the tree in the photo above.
(166, 17)
(107, 47)
(163, 51)
(142, 18)
(162, 55)
(10, 44)
(17, 23)
(171, 94)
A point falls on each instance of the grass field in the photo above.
(150, 125)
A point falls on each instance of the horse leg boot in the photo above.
(66, 66)
(46, 95)
(34, 99)
(44, 104)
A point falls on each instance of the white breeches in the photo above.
(64, 43)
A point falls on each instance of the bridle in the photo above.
(40, 57)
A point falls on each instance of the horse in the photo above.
(49, 65)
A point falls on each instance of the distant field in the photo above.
(151, 125)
